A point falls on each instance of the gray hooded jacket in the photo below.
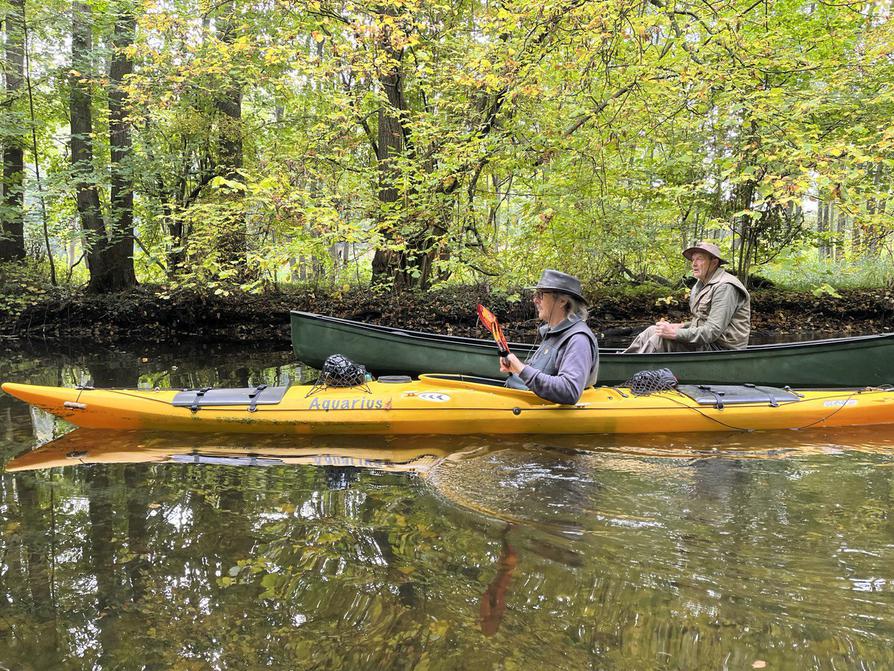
(566, 363)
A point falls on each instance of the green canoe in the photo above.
(837, 362)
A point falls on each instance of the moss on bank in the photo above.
(157, 314)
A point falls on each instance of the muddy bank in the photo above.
(152, 314)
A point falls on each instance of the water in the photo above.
(159, 551)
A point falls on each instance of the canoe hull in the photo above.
(841, 362)
(452, 406)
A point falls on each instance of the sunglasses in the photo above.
(540, 293)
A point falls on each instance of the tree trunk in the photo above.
(118, 266)
(410, 266)
(87, 196)
(742, 200)
(390, 264)
(873, 233)
(229, 105)
(232, 241)
(823, 215)
(857, 237)
(12, 239)
(842, 231)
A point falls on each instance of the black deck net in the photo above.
(647, 382)
(339, 371)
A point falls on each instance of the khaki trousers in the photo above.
(649, 341)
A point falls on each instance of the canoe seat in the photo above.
(720, 395)
(250, 396)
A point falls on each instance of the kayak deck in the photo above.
(448, 404)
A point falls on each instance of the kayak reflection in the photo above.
(86, 446)
(419, 454)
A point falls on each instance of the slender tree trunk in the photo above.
(12, 239)
(746, 230)
(119, 253)
(873, 232)
(87, 196)
(857, 237)
(842, 235)
(822, 228)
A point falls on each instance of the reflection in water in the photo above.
(493, 602)
(127, 550)
(86, 446)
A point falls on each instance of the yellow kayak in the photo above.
(454, 405)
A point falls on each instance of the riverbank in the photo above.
(156, 314)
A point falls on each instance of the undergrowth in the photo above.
(818, 276)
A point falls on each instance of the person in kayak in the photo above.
(567, 361)
(720, 307)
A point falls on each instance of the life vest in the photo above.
(545, 357)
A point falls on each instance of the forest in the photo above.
(239, 146)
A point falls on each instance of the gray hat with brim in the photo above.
(706, 247)
(553, 280)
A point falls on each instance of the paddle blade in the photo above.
(489, 320)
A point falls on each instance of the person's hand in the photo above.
(511, 364)
(667, 330)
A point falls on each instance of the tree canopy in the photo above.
(409, 142)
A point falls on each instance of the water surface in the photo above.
(158, 551)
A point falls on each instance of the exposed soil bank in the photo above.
(155, 315)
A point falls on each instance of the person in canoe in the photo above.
(567, 360)
(720, 307)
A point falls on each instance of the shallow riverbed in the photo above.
(135, 551)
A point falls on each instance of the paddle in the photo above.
(489, 320)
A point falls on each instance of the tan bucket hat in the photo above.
(707, 247)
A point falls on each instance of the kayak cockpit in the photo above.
(464, 379)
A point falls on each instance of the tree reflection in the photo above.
(37, 531)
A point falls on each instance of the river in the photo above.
(155, 551)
